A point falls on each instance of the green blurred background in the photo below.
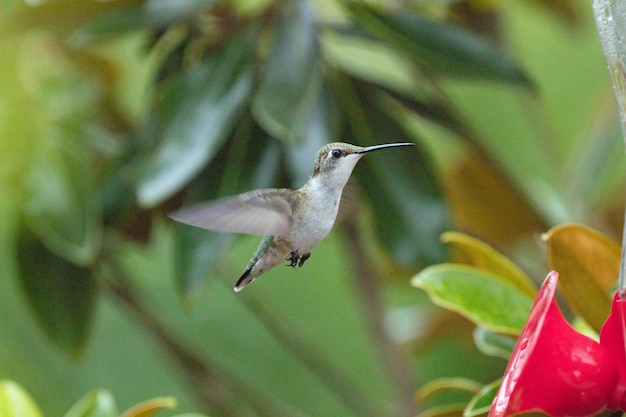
(114, 113)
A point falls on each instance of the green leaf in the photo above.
(478, 295)
(61, 294)
(15, 402)
(131, 16)
(199, 109)
(433, 108)
(401, 185)
(588, 265)
(62, 208)
(439, 47)
(97, 403)
(290, 82)
(471, 251)
(481, 403)
(493, 344)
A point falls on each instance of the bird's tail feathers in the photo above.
(244, 280)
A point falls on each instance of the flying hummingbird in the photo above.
(293, 222)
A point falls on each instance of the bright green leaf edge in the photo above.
(480, 296)
(481, 402)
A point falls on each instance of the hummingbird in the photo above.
(292, 222)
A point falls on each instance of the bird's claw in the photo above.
(303, 258)
(295, 259)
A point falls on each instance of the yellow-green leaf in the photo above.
(471, 251)
(97, 403)
(588, 265)
(448, 410)
(447, 384)
(15, 402)
(478, 295)
(148, 408)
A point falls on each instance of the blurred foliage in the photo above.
(114, 113)
(17, 403)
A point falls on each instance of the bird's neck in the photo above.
(325, 184)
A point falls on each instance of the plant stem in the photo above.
(218, 390)
(312, 357)
(368, 284)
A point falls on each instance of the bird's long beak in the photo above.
(383, 146)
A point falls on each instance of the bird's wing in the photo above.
(259, 212)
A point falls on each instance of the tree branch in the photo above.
(368, 284)
(217, 389)
(311, 356)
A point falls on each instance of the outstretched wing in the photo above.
(259, 212)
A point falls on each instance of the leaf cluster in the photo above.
(492, 292)
(16, 402)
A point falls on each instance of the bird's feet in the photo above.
(295, 259)
(303, 258)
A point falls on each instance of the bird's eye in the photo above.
(336, 153)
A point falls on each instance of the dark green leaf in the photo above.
(129, 16)
(199, 109)
(97, 403)
(410, 210)
(400, 185)
(435, 109)
(61, 294)
(320, 126)
(291, 79)
(439, 47)
(62, 209)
